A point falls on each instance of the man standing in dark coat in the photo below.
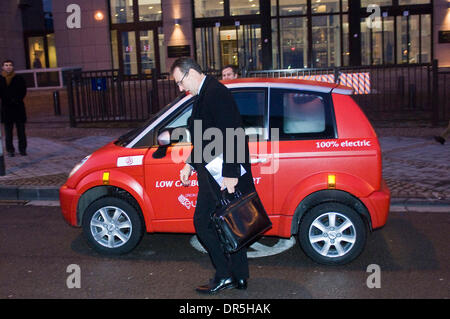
(215, 109)
(13, 90)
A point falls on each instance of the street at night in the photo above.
(39, 251)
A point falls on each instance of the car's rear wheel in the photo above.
(332, 233)
(112, 226)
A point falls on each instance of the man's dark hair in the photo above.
(233, 67)
(185, 64)
(7, 61)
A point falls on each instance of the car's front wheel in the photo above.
(112, 226)
(332, 233)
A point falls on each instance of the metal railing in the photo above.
(443, 96)
(395, 92)
(414, 92)
(109, 96)
(45, 79)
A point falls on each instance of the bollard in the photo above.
(2, 158)
(56, 104)
(401, 86)
(412, 96)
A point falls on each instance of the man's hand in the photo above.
(185, 173)
(229, 183)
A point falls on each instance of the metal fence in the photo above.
(109, 96)
(405, 92)
(443, 95)
(414, 92)
(45, 79)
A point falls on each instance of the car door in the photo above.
(253, 106)
(169, 198)
(174, 204)
(301, 119)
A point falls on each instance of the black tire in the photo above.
(112, 226)
(328, 244)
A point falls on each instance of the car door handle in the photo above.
(258, 160)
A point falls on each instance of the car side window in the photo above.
(300, 115)
(252, 106)
(181, 119)
(177, 120)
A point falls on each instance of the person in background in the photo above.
(37, 63)
(13, 90)
(230, 72)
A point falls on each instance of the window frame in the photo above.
(164, 116)
(330, 131)
(265, 135)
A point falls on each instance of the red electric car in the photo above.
(316, 163)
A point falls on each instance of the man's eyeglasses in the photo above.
(179, 82)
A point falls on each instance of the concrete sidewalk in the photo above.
(415, 167)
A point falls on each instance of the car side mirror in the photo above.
(164, 138)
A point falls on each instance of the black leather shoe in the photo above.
(23, 153)
(215, 286)
(11, 154)
(241, 284)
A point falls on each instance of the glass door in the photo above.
(208, 48)
(147, 48)
(229, 46)
(129, 53)
(138, 51)
(239, 45)
(249, 47)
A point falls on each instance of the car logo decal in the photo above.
(130, 160)
(186, 202)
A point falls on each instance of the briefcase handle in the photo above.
(226, 201)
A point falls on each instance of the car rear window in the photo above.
(300, 115)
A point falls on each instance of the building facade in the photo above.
(137, 36)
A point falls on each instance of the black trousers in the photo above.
(20, 127)
(235, 264)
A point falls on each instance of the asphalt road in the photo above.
(41, 255)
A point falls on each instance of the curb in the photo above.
(28, 193)
(411, 205)
(51, 193)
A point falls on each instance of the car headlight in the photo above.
(77, 167)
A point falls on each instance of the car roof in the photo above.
(318, 86)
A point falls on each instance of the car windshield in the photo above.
(132, 134)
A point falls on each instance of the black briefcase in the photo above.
(240, 220)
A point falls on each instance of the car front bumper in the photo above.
(68, 198)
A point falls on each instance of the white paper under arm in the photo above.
(215, 169)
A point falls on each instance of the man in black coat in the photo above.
(215, 109)
(13, 90)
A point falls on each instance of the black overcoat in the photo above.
(12, 106)
(215, 108)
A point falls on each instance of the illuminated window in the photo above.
(209, 8)
(121, 11)
(149, 10)
(240, 7)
